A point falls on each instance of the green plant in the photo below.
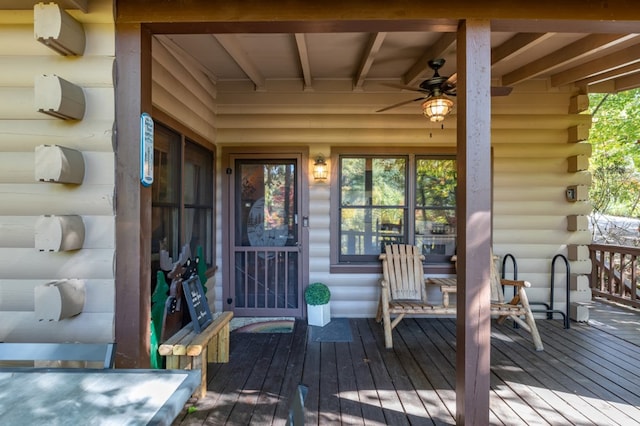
(317, 294)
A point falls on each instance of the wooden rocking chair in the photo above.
(403, 288)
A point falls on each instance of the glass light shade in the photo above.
(436, 108)
(320, 169)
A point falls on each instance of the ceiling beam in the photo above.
(436, 50)
(370, 52)
(516, 45)
(628, 82)
(579, 49)
(303, 55)
(595, 67)
(609, 75)
(231, 44)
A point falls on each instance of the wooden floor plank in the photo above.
(367, 395)
(349, 400)
(397, 360)
(248, 399)
(614, 387)
(566, 390)
(391, 405)
(293, 369)
(585, 376)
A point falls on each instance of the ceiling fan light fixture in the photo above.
(437, 107)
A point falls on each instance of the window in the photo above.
(394, 198)
(182, 197)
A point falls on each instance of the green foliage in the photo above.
(614, 137)
(317, 294)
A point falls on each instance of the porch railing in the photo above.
(615, 273)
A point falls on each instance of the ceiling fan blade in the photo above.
(452, 80)
(500, 90)
(402, 103)
(449, 87)
(403, 87)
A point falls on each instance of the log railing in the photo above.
(615, 273)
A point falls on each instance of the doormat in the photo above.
(262, 325)
(338, 330)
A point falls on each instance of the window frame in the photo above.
(184, 138)
(412, 154)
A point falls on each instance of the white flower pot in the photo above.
(318, 315)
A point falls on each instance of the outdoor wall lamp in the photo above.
(436, 107)
(320, 169)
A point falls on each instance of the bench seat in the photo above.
(190, 350)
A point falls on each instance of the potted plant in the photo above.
(317, 296)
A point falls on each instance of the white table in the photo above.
(76, 397)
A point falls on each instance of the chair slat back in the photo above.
(497, 293)
(402, 269)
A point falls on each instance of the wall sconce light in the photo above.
(436, 107)
(320, 169)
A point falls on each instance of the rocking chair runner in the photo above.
(403, 292)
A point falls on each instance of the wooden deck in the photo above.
(587, 375)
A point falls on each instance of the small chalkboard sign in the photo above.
(197, 303)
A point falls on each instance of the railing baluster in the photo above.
(615, 273)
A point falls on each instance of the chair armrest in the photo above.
(515, 283)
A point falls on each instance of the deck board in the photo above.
(586, 375)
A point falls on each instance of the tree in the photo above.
(615, 139)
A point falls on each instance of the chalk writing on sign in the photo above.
(197, 303)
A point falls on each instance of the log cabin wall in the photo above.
(535, 132)
(58, 231)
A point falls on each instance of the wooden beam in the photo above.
(231, 44)
(609, 75)
(133, 201)
(473, 326)
(579, 49)
(363, 10)
(434, 51)
(372, 49)
(628, 82)
(595, 67)
(303, 54)
(516, 45)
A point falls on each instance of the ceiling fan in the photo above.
(436, 91)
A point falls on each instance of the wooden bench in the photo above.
(403, 292)
(103, 353)
(190, 350)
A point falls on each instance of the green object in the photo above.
(158, 302)
(317, 294)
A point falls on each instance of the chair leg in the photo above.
(379, 313)
(531, 322)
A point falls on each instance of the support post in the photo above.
(474, 213)
(133, 201)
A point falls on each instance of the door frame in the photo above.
(227, 175)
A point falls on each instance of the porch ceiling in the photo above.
(343, 61)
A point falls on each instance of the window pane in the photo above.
(352, 181)
(435, 213)
(166, 166)
(373, 206)
(268, 203)
(389, 178)
(198, 200)
(365, 231)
